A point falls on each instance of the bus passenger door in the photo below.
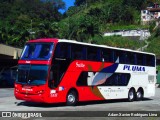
(54, 77)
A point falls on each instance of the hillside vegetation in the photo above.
(21, 20)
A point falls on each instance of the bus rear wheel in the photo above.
(139, 95)
(72, 98)
(131, 95)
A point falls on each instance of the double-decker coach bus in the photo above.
(58, 70)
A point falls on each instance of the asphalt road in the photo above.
(9, 103)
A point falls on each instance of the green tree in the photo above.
(19, 24)
(83, 29)
(138, 4)
(79, 2)
(47, 29)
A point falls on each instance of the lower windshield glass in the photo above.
(32, 74)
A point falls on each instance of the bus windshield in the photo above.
(37, 51)
(32, 74)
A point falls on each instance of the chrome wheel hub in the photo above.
(71, 98)
(131, 95)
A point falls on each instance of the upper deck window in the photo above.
(62, 51)
(37, 51)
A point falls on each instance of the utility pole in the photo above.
(30, 31)
(31, 25)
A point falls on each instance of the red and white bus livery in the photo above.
(58, 70)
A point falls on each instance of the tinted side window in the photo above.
(144, 60)
(150, 60)
(123, 56)
(93, 53)
(116, 55)
(112, 81)
(123, 79)
(78, 52)
(118, 79)
(130, 58)
(62, 50)
(139, 59)
(82, 80)
(107, 55)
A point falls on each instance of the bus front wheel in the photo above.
(72, 98)
(131, 95)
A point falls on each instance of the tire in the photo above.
(72, 98)
(139, 95)
(131, 95)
